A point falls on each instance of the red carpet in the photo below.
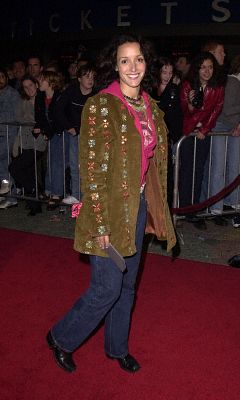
(185, 331)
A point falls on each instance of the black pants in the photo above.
(22, 169)
(186, 169)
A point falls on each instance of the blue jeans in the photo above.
(54, 182)
(110, 296)
(63, 148)
(6, 147)
(220, 158)
(72, 150)
(186, 193)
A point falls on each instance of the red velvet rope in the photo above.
(206, 203)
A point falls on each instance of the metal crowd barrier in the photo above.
(177, 165)
(15, 193)
(176, 160)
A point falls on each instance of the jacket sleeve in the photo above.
(40, 116)
(95, 152)
(217, 108)
(184, 92)
(61, 105)
(231, 105)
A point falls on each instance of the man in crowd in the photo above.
(35, 67)
(182, 65)
(68, 117)
(19, 70)
(9, 99)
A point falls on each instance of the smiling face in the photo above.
(166, 74)
(131, 68)
(19, 69)
(30, 88)
(206, 71)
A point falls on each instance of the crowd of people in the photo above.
(197, 94)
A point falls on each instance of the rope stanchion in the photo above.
(206, 203)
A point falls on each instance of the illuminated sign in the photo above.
(82, 16)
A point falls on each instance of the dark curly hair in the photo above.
(193, 75)
(107, 61)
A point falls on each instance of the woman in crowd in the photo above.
(201, 100)
(22, 167)
(123, 160)
(49, 91)
(167, 95)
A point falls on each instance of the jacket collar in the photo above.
(114, 89)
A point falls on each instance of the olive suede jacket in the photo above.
(110, 169)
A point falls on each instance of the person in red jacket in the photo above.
(201, 98)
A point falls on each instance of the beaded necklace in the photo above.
(138, 104)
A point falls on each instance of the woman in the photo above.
(201, 100)
(123, 157)
(22, 167)
(167, 95)
(49, 87)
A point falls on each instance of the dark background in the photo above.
(53, 29)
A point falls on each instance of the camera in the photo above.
(197, 101)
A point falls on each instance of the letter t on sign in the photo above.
(169, 10)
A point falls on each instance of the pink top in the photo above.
(144, 125)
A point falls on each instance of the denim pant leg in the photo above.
(117, 321)
(3, 157)
(6, 145)
(217, 171)
(55, 178)
(74, 165)
(233, 169)
(86, 314)
(92, 306)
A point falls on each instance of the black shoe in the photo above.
(220, 221)
(228, 208)
(191, 218)
(35, 210)
(62, 358)
(200, 224)
(127, 363)
(234, 261)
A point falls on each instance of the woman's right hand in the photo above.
(36, 132)
(236, 131)
(191, 95)
(102, 241)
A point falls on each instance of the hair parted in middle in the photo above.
(193, 75)
(22, 92)
(107, 61)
